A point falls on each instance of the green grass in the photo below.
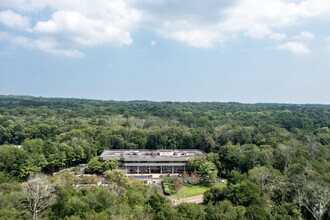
(189, 190)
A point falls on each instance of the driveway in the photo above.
(194, 199)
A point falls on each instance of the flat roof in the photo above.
(153, 164)
(151, 155)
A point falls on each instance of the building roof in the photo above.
(151, 155)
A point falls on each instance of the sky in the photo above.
(250, 51)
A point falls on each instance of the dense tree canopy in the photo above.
(275, 156)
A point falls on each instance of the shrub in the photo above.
(174, 183)
(167, 189)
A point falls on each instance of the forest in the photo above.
(275, 158)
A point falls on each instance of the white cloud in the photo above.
(201, 24)
(277, 36)
(294, 47)
(153, 43)
(82, 30)
(12, 19)
(46, 44)
(24, 5)
(195, 38)
(198, 23)
(304, 35)
(79, 23)
(91, 23)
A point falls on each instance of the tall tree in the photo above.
(37, 194)
(313, 195)
(208, 172)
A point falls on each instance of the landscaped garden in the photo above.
(178, 190)
(171, 185)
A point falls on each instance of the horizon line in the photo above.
(164, 101)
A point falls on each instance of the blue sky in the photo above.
(167, 50)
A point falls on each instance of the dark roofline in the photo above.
(122, 157)
(166, 150)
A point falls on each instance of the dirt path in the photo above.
(194, 199)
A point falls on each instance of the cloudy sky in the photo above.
(177, 50)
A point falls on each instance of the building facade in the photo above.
(151, 161)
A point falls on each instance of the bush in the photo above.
(88, 170)
(167, 189)
(76, 170)
(174, 183)
(90, 179)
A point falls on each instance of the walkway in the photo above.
(194, 199)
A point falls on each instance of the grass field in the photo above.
(189, 190)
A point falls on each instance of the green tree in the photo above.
(12, 159)
(94, 166)
(161, 208)
(110, 165)
(191, 211)
(236, 177)
(257, 212)
(245, 194)
(215, 194)
(224, 210)
(27, 169)
(117, 177)
(135, 198)
(99, 199)
(34, 146)
(208, 172)
(77, 206)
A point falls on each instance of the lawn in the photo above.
(189, 190)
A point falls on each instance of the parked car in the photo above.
(222, 181)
